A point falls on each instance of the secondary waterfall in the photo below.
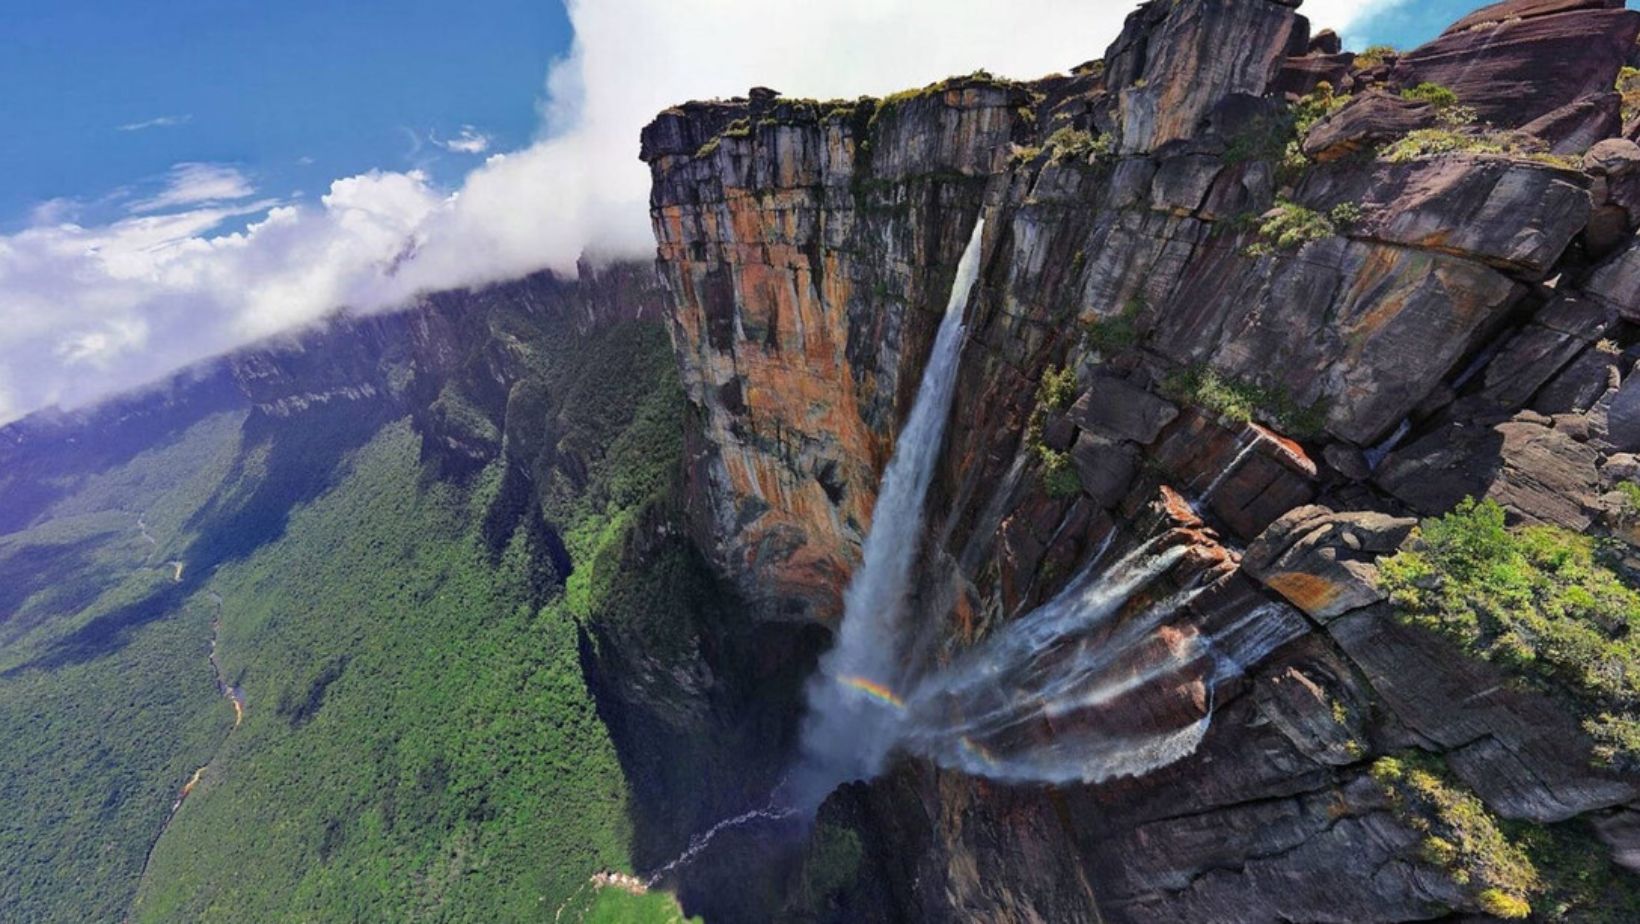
(847, 733)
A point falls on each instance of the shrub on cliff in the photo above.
(1460, 837)
(1538, 601)
(1116, 332)
(1058, 476)
(1375, 55)
(1468, 139)
(1279, 138)
(1057, 389)
(1245, 402)
(1068, 144)
(1432, 93)
(1290, 225)
(1628, 87)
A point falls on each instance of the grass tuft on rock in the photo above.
(1245, 402)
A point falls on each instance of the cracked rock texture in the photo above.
(1454, 324)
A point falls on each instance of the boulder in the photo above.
(1305, 704)
(1515, 70)
(1579, 124)
(1360, 329)
(1564, 328)
(1547, 476)
(1496, 13)
(1104, 467)
(1622, 412)
(1578, 387)
(1540, 473)
(1369, 119)
(1322, 561)
(1620, 830)
(1326, 42)
(1117, 409)
(1299, 76)
(1516, 215)
(1616, 281)
(1613, 157)
(1243, 473)
(1181, 184)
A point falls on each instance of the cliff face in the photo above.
(1415, 298)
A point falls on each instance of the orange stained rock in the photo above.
(1308, 592)
(1177, 639)
(1177, 509)
(963, 618)
(1382, 287)
(1289, 450)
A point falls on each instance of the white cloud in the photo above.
(85, 311)
(470, 141)
(167, 121)
(191, 184)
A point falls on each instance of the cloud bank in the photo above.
(86, 311)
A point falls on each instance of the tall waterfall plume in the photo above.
(853, 717)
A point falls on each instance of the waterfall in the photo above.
(849, 728)
(1246, 444)
(1094, 684)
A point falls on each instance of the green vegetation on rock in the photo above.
(1279, 138)
(1433, 142)
(1245, 402)
(831, 866)
(1116, 332)
(1628, 87)
(418, 740)
(616, 905)
(1073, 145)
(107, 702)
(1432, 93)
(1374, 55)
(1054, 392)
(1538, 601)
(1289, 226)
(1460, 837)
(1057, 389)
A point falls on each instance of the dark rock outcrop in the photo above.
(1518, 62)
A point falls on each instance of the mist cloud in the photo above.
(86, 311)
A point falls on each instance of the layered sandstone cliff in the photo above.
(1418, 297)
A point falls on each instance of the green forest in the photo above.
(418, 740)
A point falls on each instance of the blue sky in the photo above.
(296, 92)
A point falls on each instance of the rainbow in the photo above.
(874, 690)
(978, 750)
